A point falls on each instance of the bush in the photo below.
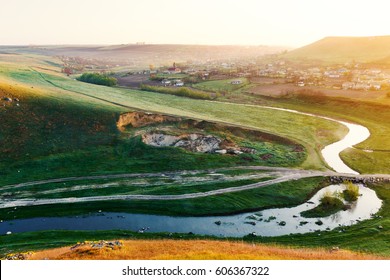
(330, 204)
(180, 91)
(329, 200)
(351, 192)
(97, 79)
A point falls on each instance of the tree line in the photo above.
(98, 79)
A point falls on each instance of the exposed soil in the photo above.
(134, 81)
(140, 119)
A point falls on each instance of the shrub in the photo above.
(179, 91)
(330, 200)
(351, 192)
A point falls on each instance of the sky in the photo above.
(290, 23)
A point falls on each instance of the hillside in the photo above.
(345, 49)
(191, 250)
(145, 54)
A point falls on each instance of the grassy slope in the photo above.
(195, 250)
(306, 130)
(64, 133)
(345, 49)
(373, 115)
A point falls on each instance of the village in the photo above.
(269, 69)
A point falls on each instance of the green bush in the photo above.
(330, 200)
(351, 192)
(98, 79)
(330, 204)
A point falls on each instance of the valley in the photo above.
(79, 151)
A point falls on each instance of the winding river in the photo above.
(270, 222)
(331, 153)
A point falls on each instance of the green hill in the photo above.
(345, 49)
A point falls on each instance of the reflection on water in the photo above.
(331, 153)
(271, 222)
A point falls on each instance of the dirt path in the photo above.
(34, 202)
(284, 175)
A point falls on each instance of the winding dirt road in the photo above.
(282, 174)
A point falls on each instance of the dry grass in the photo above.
(196, 250)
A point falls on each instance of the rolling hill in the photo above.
(145, 54)
(345, 49)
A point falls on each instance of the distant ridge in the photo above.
(345, 49)
(146, 54)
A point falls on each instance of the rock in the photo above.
(319, 222)
(9, 232)
(218, 223)
(251, 223)
(334, 249)
(160, 140)
(282, 223)
(247, 150)
(222, 152)
(380, 227)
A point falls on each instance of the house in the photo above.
(174, 70)
(166, 82)
(236, 82)
(348, 85)
(178, 83)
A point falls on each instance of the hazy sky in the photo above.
(245, 22)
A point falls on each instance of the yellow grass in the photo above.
(196, 250)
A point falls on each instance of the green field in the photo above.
(222, 86)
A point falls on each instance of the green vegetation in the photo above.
(222, 86)
(370, 156)
(124, 188)
(351, 193)
(278, 195)
(67, 128)
(180, 91)
(369, 236)
(97, 79)
(329, 204)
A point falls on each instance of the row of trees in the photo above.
(180, 91)
(98, 79)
